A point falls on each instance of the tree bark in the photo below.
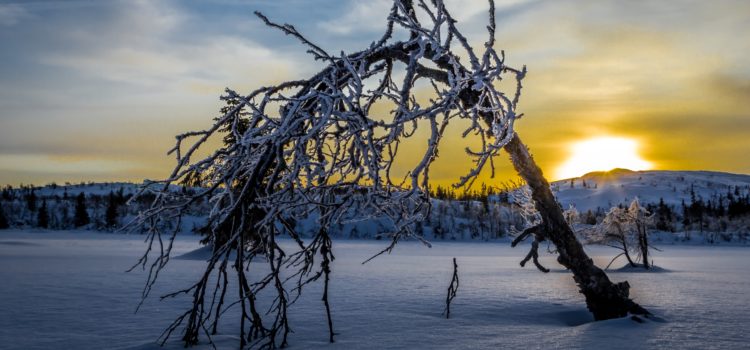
(643, 242)
(624, 245)
(605, 300)
(627, 256)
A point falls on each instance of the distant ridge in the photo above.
(604, 189)
(613, 172)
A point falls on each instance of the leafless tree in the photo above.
(625, 229)
(614, 231)
(640, 220)
(572, 216)
(318, 146)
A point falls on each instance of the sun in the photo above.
(602, 154)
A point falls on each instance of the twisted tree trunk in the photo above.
(604, 299)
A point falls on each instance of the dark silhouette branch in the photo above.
(452, 289)
(314, 148)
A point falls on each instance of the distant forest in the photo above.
(483, 213)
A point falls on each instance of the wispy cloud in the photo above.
(119, 85)
(360, 16)
(89, 81)
(153, 45)
(12, 14)
(209, 62)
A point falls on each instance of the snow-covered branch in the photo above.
(320, 147)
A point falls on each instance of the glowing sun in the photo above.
(602, 154)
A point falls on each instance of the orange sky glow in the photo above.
(640, 85)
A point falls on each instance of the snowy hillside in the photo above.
(102, 206)
(694, 203)
(607, 189)
(99, 189)
(84, 206)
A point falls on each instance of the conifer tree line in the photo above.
(476, 213)
(719, 214)
(69, 207)
(481, 212)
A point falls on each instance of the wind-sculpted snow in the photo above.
(68, 290)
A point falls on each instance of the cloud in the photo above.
(153, 46)
(113, 89)
(12, 14)
(101, 80)
(206, 62)
(42, 163)
(361, 16)
(733, 87)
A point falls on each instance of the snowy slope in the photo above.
(93, 188)
(100, 189)
(608, 189)
(466, 220)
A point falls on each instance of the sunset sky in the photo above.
(95, 90)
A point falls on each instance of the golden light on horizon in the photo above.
(602, 154)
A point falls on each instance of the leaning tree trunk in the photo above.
(604, 299)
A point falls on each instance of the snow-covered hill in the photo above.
(99, 189)
(716, 203)
(607, 189)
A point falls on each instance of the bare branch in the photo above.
(314, 148)
(452, 289)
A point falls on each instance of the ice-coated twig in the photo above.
(317, 148)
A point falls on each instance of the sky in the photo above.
(96, 90)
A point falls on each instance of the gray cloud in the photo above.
(12, 14)
(95, 80)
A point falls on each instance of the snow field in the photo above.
(69, 290)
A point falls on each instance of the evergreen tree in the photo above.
(42, 218)
(697, 209)
(8, 193)
(31, 201)
(111, 214)
(589, 218)
(3, 220)
(485, 199)
(720, 210)
(64, 215)
(120, 197)
(664, 217)
(685, 216)
(81, 217)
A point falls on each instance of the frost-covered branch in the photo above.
(319, 148)
(532, 223)
(625, 229)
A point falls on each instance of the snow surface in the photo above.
(68, 290)
(620, 186)
(100, 189)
